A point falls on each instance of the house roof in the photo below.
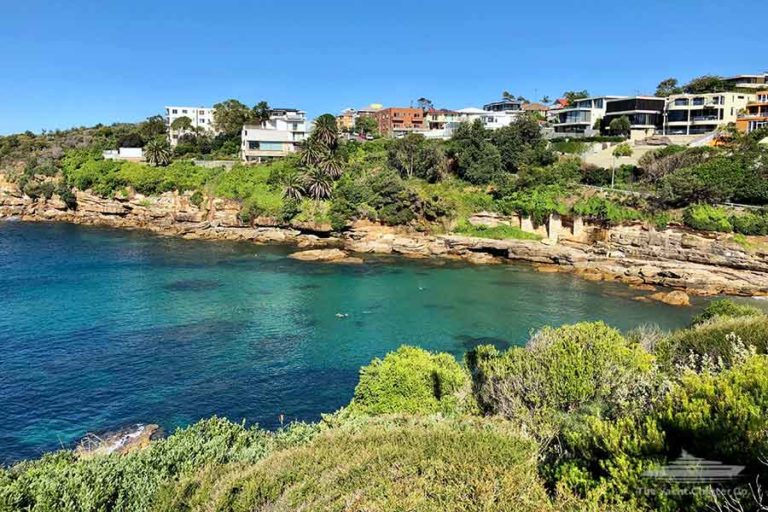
(535, 107)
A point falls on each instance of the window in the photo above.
(184, 111)
(599, 103)
(201, 112)
(681, 102)
(175, 111)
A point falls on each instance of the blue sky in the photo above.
(80, 62)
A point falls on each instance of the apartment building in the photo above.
(645, 114)
(394, 121)
(346, 119)
(693, 114)
(438, 119)
(579, 119)
(755, 114)
(275, 138)
(201, 118)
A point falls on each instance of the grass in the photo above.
(384, 464)
(497, 233)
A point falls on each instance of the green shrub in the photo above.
(750, 224)
(62, 482)
(712, 341)
(707, 218)
(604, 210)
(380, 466)
(721, 415)
(538, 203)
(560, 371)
(725, 308)
(500, 232)
(410, 380)
(196, 198)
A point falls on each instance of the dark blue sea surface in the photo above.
(102, 328)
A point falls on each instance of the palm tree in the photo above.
(311, 152)
(294, 187)
(158, 151)
(326, 130)
(318, 184)
(331, 165)
(181, 124)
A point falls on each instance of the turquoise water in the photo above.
(102, 328)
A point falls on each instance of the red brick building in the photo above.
(394, 119)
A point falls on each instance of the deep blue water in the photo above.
(102, 328)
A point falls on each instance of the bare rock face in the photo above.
(130, 439)
(326, 256)
(673, 298)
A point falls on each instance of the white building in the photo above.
(579, 119)
(201, 118)
(278, 137)
(124, 154)
(693, 114)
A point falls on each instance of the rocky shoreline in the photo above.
(637, 255)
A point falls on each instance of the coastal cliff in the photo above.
(636, 255)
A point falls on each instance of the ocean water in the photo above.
(102, 328)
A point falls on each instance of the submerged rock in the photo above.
(674, 298)
(326, 256)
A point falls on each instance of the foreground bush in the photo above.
(725, 308)
(381, 465)
(62, 482)
(707, 218)
(566, 370)
(713, 342)
(411, 380)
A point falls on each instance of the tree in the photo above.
(545, 99)
(294, 187)
(366, 125)
(229, 116)
(331, 165)
(572, 96)
(318, 184)
(522, 144)
(414, 156)
(619, 151)
(181, 124)
(130, 140)
(620, 126)
(326, 131)
(154, 126)
(506, 95)
(260, 113)
(311, 152)
(425, 104)
(158, 151)
(668, 87)
(477, 160)
(706, 83)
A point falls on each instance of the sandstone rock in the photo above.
(137, 437)
(673, 298)
(481, 258)
(548, 268)
(325, 256)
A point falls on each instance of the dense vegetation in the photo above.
(570, 421)
(426, 184)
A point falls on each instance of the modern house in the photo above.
(200, 117)
(536, 108)
(693, 114)
(755, 114)
(275, 138)
(394, 121)
(645, 114)
(505, 105)
(758, 81)
(578, 120)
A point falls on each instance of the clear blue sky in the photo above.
(79, 62)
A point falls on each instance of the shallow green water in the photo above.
(102, 328)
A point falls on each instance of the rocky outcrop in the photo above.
(674, 298)
(326, 256)
(635, 255)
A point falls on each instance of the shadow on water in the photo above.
(469, 342)
(192, 285)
